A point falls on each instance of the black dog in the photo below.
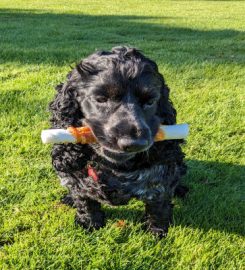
(123, 98)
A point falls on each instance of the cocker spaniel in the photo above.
(123, 98)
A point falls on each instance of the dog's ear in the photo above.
(65, 108)
(165, 109)
(85, 68)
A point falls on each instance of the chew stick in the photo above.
(85, 136)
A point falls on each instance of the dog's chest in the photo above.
(116, 188)
(145, 184)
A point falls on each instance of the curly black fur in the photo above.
(123, 98)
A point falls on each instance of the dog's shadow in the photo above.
(215, 200)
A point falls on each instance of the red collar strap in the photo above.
(93, 173)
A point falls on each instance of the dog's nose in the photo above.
(128, 145)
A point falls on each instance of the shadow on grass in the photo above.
(32, 36)
(215, 200)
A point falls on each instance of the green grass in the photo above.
(199, 47)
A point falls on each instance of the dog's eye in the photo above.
(101, 99)
(149, 103)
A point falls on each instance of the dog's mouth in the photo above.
(113, 156)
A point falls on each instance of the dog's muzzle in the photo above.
(133, 146)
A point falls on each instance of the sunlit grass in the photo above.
(199, 47)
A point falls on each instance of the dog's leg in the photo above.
(89, 214)
(158, 216)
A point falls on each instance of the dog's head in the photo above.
(121, 96)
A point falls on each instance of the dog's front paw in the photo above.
(160, 232)
(88, 222)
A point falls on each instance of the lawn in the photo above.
(200, 48)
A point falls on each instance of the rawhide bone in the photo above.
(85, 136)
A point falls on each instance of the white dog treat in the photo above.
(172, 132)
(85, 136)
(57, 136)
